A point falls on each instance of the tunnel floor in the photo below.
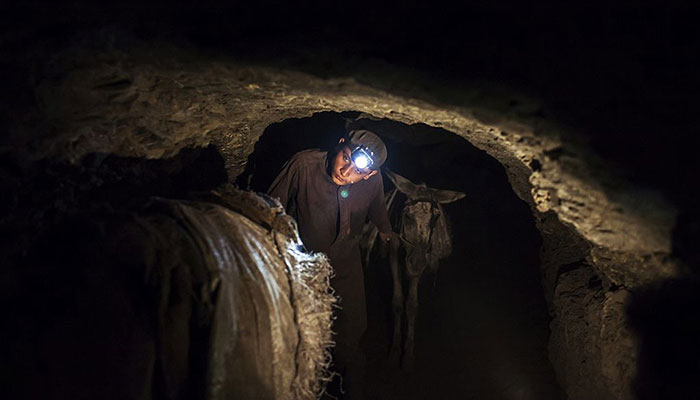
(481, 332)
(482, 326)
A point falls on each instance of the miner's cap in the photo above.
(372, 142)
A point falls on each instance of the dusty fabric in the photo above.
(263, 272)
(210, 299)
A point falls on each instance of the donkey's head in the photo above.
(424, 230)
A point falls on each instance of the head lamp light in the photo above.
(362, 157)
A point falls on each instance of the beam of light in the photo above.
(361, 161)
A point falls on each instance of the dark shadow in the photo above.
(36, 195)
(105, 178)
(192, 169)
(666, 318)
(685, 238)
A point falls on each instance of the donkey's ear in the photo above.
(446, 196)
(404, 185)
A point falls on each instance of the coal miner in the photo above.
(331, 195)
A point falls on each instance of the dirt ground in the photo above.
(479, 335)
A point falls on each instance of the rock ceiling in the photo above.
(154, 100)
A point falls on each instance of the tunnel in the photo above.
(485, 306)
(137, 140)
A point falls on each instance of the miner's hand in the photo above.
(386, 238)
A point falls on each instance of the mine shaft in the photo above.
(144, 257)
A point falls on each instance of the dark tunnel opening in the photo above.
(482, 327)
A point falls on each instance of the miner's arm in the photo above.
(286, 184)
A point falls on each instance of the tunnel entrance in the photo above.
(482, 327)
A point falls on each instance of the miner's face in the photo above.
(344, 171)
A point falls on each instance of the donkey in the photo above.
(425, 237)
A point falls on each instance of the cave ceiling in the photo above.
(155, 99)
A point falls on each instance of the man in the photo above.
(331, 194)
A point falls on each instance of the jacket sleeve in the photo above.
(377, 208)
(285, 186)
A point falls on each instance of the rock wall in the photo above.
(601, 236)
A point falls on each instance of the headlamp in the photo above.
(362, 157)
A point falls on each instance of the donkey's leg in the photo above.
(396, 301)
(411, 311)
